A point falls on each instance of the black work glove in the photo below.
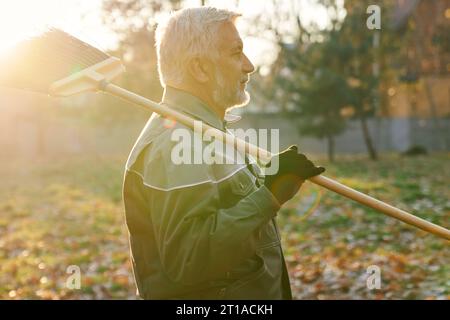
(293, 169)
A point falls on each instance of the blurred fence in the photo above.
(389, 134)
(30, 137)
(32, 126)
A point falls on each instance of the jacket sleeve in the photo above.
(197, 240)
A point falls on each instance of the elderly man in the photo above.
(205, 231)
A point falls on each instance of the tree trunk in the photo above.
(437, 128)
(330, 140)
(367, 138)
(419, 43)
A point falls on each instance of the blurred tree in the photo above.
(315, 85)
(134, 22)
(306, 78)
(138, 53)
(361, 75)
(332, 73)
(126, 16)
(367, 66)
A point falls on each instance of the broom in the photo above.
(61, 65)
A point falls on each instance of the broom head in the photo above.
(58, 64)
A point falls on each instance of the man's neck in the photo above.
(207, 99)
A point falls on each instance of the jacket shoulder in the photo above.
(159, 151)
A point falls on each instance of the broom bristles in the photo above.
(35, 63)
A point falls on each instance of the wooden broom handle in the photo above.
(266, 155)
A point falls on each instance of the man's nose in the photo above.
(248, 66)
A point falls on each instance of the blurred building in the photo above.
(424, 87)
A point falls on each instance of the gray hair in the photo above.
(186, 34)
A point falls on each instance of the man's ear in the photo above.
(200, 69)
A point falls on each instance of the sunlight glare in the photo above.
(21, 18)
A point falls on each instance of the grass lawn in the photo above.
(69, 212)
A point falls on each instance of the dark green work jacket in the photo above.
(199, 231)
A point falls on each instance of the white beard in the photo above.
(228, 98)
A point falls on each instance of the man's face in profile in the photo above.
(232, 69)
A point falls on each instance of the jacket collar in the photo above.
(189, 104)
